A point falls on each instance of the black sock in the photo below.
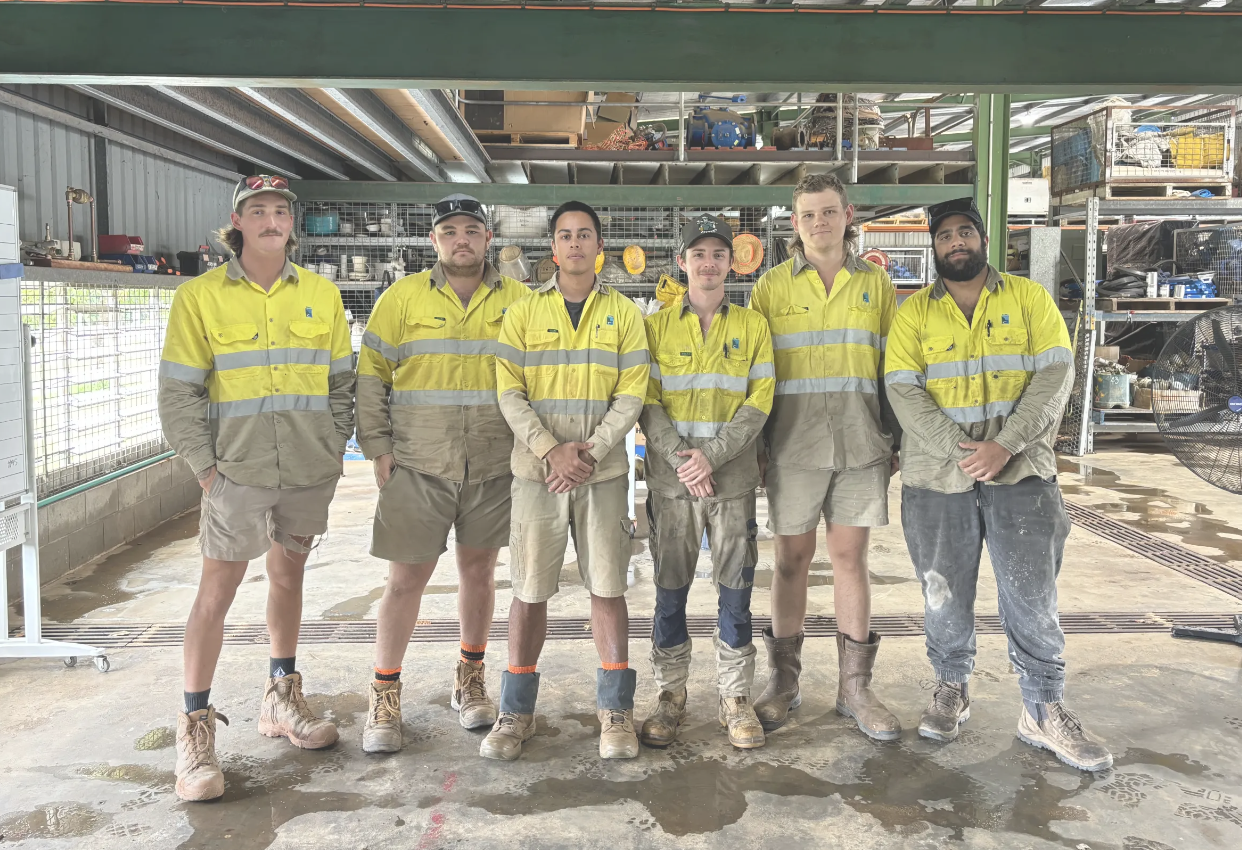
(387, 675)
(278, 667)
(197, 700)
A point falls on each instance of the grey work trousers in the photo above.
(1025, 527)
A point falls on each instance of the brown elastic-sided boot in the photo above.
(475, 708)
(1058, 729)
(781, 696)
(285, 714)
(738, 716)
(664, 717)
(854, 695)
(199, 776)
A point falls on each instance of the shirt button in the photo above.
(271, 320)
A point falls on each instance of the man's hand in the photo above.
(988, 460)
(696, 470)
(894, 464)
(384, 466)
(206, 478)
(568, 468)
(703, 490)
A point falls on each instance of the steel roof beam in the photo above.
(454, 127)
(376, 115)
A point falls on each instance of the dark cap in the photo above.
(458, 204)
(702, 227)
(937, 213)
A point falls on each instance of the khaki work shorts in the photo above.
(415, 511)
(798, 497)
(239, 522)
(677, 527)
(596, 515)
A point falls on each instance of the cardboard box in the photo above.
(546, 119)
(1187, 400)
(609, 118)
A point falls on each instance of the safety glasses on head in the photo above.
(452, 206)
(269, 181)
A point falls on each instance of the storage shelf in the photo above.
(501, 241)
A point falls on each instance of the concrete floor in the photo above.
(86, 759)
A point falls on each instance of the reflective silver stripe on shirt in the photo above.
(806, 386)
(416, 347)
(761, 370)
(267, 404)
(574, 357)
(905, 376)
(508, 352)
(989, 363)
(1060, 354)
(634, 358)
(273, 357)
(371, 340)
(453, 398)
(835, 336)
(697, 429)
(655, 370)
(341, 364)
(982, 413)
(704, 381)
(181, 372)
(570, 406)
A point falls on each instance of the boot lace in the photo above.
(297, 701)
(1066, 721)
(507, 722)
(387, 708)
(946, 698)
(474, 687)
(616, 717)
(202, 742)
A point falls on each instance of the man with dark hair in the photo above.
(978, 371)
(257, 395)
(829, 445)
(429, 419)
(571, 372)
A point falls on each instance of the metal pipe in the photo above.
(840, 123)
(681, 124)
(104, 479)
(529, 102)
(854, 144)
(94, 234)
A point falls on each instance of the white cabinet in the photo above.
(9, 240)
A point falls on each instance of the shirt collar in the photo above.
(234, 271)
(994, 280)
(552, 284)
(853, 263)
(491, 277)
(686, 307)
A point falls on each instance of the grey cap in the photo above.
(457, 204)
(702, 227)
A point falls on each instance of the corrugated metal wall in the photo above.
(170, 206)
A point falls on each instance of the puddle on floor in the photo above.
(160, 738)
(355, 608)
(823, 578)
(341, 709)
(1153, 510)
(52, 820)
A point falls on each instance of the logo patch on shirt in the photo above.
(866, 297)
(611, 321)
(737, 343)
(308, 313)
(553, 331)
(1004, 318)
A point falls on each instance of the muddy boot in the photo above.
(285, 714)
(470, 698)
(781, 696)
(664, 717)
(854, 695)
(382, 732)
(199, 776)
(516, 722)
(738, 716)
(614, 702)
(949, 708)
(1058, 729)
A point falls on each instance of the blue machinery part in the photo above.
(720, 128)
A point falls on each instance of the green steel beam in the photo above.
(631, 49)
(991, 138)
(547, 194)
(1014, 133)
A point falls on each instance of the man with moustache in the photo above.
(978, 371)
(429, 419)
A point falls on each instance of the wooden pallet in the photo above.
(1150, 305)
(496, 137)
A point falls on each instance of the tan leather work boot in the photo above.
(781, 696)
(475, 708)
(382, 732)
(285, 714)
(199, 776)
(664, 717)
(616, 733)
(505, 740)
(738, 716)
(854, 695)
(1059, 730)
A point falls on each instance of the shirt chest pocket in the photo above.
(309, 345)
(790, 320)
(492, 323)
(421, 338)
(1004, 350)
(940, 349)
(606, 337)
(542, 349)
(675, 365)
(864, 316)
(235, 350)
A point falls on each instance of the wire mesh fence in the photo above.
(1212, 249)
(94, 370)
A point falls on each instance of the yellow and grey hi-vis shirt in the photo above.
(1003, 376)
(711, 393)
(558, 384)
(258, 383)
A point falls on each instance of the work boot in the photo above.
(382, 732)
(475, 708)
(199, 776)
(854, 695)
(781, 696)
(614, 704)
(664, 717)
(738, 716)
(1058, 729)
(949, 708)
(516, 722)
(285, 714)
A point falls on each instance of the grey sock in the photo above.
(197, 700)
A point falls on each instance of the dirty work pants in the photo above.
(677, 526)
(1024, 526)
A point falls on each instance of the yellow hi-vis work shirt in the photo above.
(829, 411)
(712, 394)
(560, 385)
(1004, 376)
(427, 377)
(258, 383)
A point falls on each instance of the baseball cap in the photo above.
(937, 213)
(457, 204)
(703, 226)
(248, 187)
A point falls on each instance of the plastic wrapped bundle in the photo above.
(1141, 245)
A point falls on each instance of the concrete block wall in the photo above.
(82, 527)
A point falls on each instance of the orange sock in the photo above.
(387, 675)
(473, 653)
(615, 665)
(520, 670)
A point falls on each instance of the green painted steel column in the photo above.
(992, 171)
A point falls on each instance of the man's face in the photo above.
(461, 243)
(265, 223)
(576, 244)
(706, 264)
(961, 250)
(821, 219)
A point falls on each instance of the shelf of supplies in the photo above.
(1133, 426)
(386, 241)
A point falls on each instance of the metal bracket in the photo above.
(1219, 635)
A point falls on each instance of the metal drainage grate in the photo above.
(155, 635)
(1191, 564)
